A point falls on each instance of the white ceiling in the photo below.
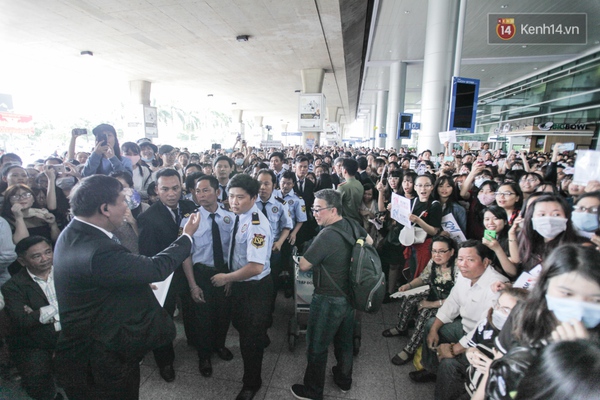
(400, 36)
(189, 45)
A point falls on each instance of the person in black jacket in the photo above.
(109, 315)
(159, 226)
(32, 308)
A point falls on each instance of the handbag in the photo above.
(410, 235)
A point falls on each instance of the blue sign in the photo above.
(412, 125)
(383, 135)
(291, 133)
(404, 132)
(463, 104)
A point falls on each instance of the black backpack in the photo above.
(367, 281)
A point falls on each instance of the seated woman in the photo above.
(439, 275)
(563, 305)
(496, 221)
(25, 217)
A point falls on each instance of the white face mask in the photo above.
(498, 319)
(549, 227)
(479, 181)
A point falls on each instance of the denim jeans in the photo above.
(331, 319)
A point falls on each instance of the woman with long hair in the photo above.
(25, 217)
(106, 156)
(510, 198)
(446, 192)
(496, 221)
(439, 275)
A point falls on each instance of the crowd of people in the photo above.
(496, 278)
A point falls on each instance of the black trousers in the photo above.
(108, 376)
(212, 318)
(36, 369)
(165, 355)
(251, 308)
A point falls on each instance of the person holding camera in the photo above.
(106, 156)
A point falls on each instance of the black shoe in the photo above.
(422, 376)
(167, 373)
(343, 388)
(246, 394)
(394, 332)
(299, 392)
(224, 354)
(386, 298)
(205, 367)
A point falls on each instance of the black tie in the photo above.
(301, 186)
(223, 193)
(235, 228)
(264, 210)
(217, 245)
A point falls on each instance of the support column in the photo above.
(395, 102)
(140, 92)
(238, 124)
(312, 82)
(381, 118)
(440, 44)
(258, 127)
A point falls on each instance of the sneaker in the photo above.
(343, 388)
(299, 392)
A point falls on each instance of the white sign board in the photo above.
(587, 167)
(450, 225)
(311, 115)
(400, 209)
(448, 136)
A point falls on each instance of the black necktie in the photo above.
(235, 228)
(264, 210)
(217, 245)
(301, 185)
(223, 193)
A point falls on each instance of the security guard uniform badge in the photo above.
(258, 240)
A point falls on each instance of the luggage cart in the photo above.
(303, 291)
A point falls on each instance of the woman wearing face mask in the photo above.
(494, 219)
(585, 214)
(481, 339)
(439, 275)
(546, 225)
(563, 305)
(510, 198)
(25, 217)
(446, 193)
(148, 152)
(427, 214)
(142, 173)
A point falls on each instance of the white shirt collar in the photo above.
(107, 233)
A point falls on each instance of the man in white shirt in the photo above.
(470, 299)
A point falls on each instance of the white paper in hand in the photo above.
(162, 289)
(587, 167)
(411, 292)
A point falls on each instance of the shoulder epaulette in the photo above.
(255, 219)
(187, 215)
(279, 199)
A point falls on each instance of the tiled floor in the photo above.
(374, 376)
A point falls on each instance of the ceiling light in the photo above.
(535, 68)
(504, 6)
(233, 104)
(242, 38)
(86, 53)
(407, 12)
(483, 70)
(524, 46)
(210, 95)
(297, 91)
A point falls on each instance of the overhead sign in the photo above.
(523, 29)
(16, 123)
(271, 143)
(291, 133)
(412, 125)
(310, 112)
(463, 104)
(403, 132)
(383, 135)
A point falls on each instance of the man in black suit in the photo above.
(305, 188)
(159, 226)
(33, 311)
(109, 315)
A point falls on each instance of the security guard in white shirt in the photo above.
(249, 278)
(209, 257)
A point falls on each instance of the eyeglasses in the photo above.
(503, 194)
(505, 310)
(440, 251)
(423, 186)
(590, 210)
(318, 210)
(22, 196)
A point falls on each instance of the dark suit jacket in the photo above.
(26, 329)
(309, 228)
(157, 228)
(104, 295)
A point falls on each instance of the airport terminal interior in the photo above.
(371, 60)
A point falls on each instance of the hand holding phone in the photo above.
(79, 131)
(489, 234)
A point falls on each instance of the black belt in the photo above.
(207, 269)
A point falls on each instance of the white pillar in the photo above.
(381, 118)
(312, 82)
(440, 43)
(395, 102)
(372, 118)
(238, 125)
(140, 92)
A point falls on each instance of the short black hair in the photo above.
(288, 175)
(191, 179)
(268, 172)
(166, 172)
(245, 182)
(223, 158)
(350, 165)
(92, 192)
(481, 249)
(277, 154)
(126, 176)
(10, 155)
(214, 182)
(25, 244)
(192, 165)
(362, 162)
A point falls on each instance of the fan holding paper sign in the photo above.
(422, 296)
